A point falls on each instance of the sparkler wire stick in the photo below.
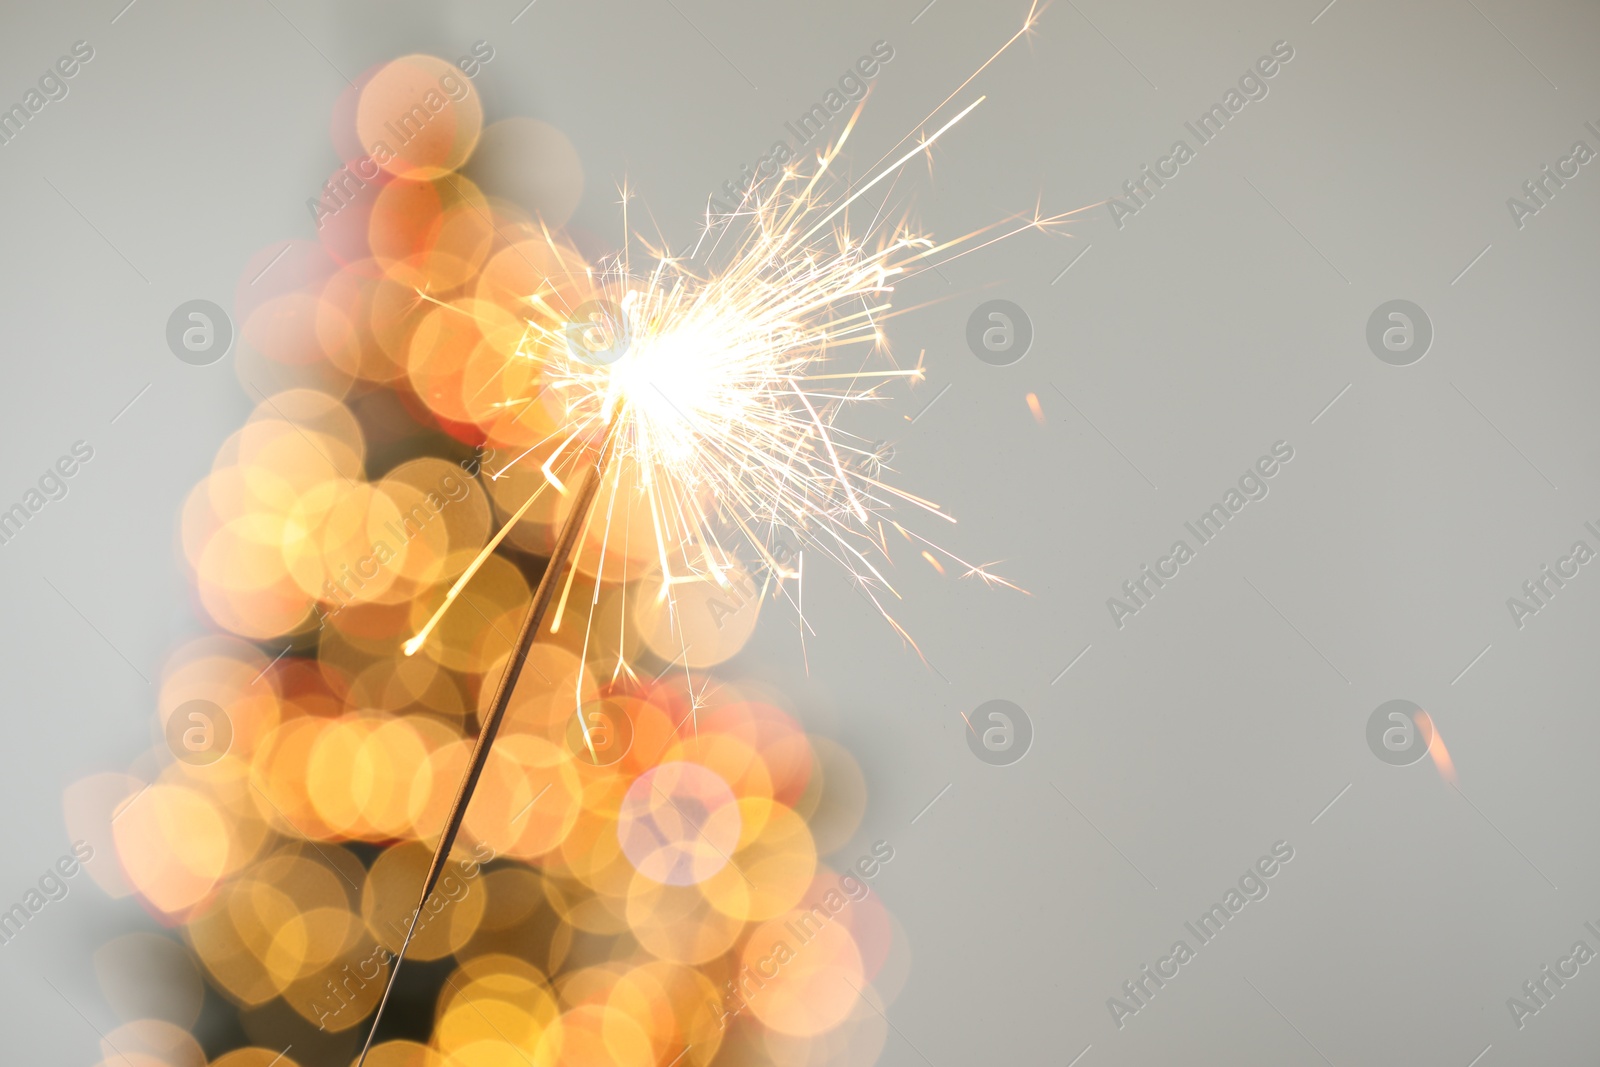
(566, 544)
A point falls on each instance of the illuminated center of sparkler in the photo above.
(673, 391)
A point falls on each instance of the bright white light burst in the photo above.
(718, 378)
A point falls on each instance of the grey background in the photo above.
(1222, 318)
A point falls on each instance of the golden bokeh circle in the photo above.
(419, 117)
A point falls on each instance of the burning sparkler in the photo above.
(697, 399)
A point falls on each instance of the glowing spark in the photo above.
(416, 642)
(1436, 749)
(1033, 406)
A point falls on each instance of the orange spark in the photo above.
(1436, 749)
(1033, 406)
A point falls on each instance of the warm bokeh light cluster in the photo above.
(608, 912)
(649, 889)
